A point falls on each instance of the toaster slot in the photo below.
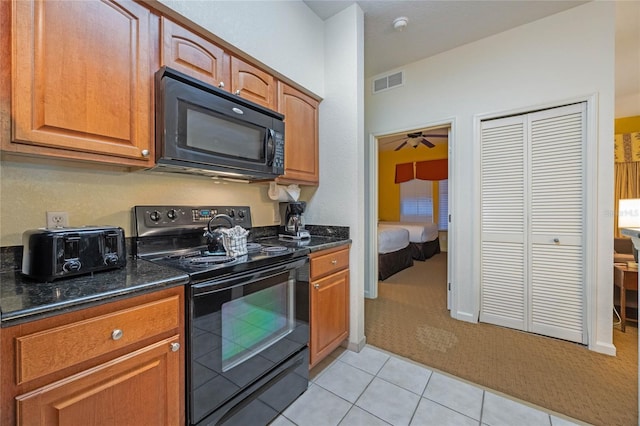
(71, 247)
(111, 242)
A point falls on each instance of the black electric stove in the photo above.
(247, 318)
(174, 236)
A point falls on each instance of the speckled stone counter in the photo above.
(22, 299)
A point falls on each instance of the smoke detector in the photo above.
(400, 23)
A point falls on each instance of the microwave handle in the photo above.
(271, 146)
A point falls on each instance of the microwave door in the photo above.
(217, 132)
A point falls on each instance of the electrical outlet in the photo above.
(57, 219)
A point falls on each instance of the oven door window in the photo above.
(255, 321)
(213, 133)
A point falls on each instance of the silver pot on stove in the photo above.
(214, 236)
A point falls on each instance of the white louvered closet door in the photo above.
(557, 199)
(503, 257)
(532, 218)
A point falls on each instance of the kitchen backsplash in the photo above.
(106, 196)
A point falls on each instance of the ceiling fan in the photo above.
(416, 138)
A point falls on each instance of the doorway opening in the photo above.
(415, 200)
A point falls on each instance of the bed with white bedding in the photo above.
(423, 237)
(394, 251)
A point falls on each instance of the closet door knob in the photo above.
(556, 240)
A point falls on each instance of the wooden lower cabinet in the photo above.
(136, 389)
(121, 363)
(329, 302)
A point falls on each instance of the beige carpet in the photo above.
(409, 318)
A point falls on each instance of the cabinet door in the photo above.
(137, 389)
(329, 314)
(253, 84)
(193, 55)
(301, 136)
(82, 80)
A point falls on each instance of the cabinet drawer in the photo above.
(327, 262)
(57, 348)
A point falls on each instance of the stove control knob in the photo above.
(154, 215)
(172, 214)
(240, 213)
(232, 212)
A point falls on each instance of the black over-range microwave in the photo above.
(201, 129)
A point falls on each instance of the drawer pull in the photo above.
(316, 286)
(116, 334)
(334, 262)
(175, 347)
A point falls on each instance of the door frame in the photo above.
(371, 225)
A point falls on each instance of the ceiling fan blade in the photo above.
(401, 145)
(393, 141)
(433, 135)
(427, 143)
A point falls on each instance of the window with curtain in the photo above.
(416, 201)
(443, 204)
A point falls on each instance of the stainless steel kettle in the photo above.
(214, 237)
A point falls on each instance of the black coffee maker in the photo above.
(294, 221)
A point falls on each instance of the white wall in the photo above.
(561, 57)
(338, 200)
(284, 35)
(328, 59)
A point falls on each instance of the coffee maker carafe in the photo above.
(294, 221)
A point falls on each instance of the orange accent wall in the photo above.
(388, 191)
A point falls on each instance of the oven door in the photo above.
(242, 330)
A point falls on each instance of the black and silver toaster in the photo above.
(52, 253)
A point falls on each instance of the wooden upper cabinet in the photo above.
(252, 83)
(82, 80)
(193, 55)
(300, 135)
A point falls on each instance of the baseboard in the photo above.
(355, 346)
(465, 316)
(603, 348)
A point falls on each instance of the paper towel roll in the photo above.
(283, 193)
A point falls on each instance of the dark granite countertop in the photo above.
(23, 299)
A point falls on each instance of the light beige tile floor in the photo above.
(374, 387)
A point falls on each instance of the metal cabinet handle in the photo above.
(237, 92)
(175, 347)
(145, 152)
(116, 334)
(316, 286)
(221, 85)
(334, 261)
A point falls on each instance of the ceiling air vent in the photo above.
(388, 82)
